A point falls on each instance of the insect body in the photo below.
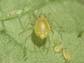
(42, 27)
(58, 48)
(66, 54)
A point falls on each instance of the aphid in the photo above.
(66, 54)
(42, 27)
(58, 47)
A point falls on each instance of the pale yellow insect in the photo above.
(42, 27)
(66, 54)
(58, 48)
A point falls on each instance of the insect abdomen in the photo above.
(42, 28)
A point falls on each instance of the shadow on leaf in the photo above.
(37, 41)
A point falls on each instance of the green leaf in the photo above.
(27, 47)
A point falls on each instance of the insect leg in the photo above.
(25, 30)
(26, 43)
(3, 25)
(57, 24)
(49, 44)
(50, 41)
(20, 23)
(60, 31)
(25, 48)
(35, 15)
